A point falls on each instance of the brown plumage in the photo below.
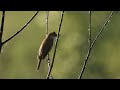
(45, 47)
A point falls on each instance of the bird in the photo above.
(45, 47)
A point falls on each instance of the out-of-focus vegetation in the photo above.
(19, 56)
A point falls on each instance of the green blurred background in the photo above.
(18, 59)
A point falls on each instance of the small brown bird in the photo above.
(45, 47)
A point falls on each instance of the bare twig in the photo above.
(20, 29)
(48, 58)
(1, 29)
(89, 29)
(47, 16)
(93, 43)
(61, 19)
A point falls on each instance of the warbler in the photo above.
(45, 47)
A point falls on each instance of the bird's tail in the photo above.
(39, 62)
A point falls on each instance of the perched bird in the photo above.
(45, 47)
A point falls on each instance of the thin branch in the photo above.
(47, 16)
(89, 29)
(20, 29)
(48, 58)
(93, 43)
(61, 19)
(1, 29)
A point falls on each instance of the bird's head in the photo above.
(52, 35)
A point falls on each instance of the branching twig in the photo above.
(61, 19)
(1, 29)
(93, 43)
(20, 29)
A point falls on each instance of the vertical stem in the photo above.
(48, 58)
(61, 19)
(93, 43)
(47, 15)
(90, 29)
(89, 50)
(1, 29)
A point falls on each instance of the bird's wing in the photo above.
(45, 47)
